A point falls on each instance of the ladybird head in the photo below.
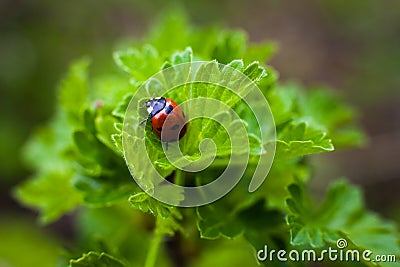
(155, 105)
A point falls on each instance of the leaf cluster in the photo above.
(78, 156)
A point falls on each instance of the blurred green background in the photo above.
(352, 46)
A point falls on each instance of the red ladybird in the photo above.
(161, 108)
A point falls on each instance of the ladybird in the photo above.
(161, 108)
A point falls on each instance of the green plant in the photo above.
(78, 158)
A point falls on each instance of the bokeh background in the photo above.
(352, 46)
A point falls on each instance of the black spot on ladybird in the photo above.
(169, 109)
(175, 127)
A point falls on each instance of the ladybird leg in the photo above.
(143, 121)
(166, 146)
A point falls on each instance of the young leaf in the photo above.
(341, 215)
(299, 139)
(215, 221)
(281, 175)
(95, 259)
(107, 91)
(170, 224)
(255, 72)
(167, 217)
(140, 64)
(283, 103)
(261, 52)
(145, 203)
(182, 57)
(121, 106)
(104, 190)
(75, 160)
(325, 108)
(265, 227)
(105, 127)
(50, 190)
(51, 193)
(171, 33)
(117, 141)
(74, 89)
(231, 45)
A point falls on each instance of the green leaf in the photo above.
(300, 139)
(170, 224)
(199, 128)
(261, 52)
(341, 215)
(264, 226)
(281, 175)
(105, 127)
(320, 109)
(51, 193)
(231, 215)
(121, 107)
(222, 252)
(74, 89)
(140, 64)
(206, 128)
(105, 190)
(50, 190)
(46, 148)
(231, 45)
(167, 216)
(215, 221)
(89, 116)
(171, 33)
(145, 203)
(283, 103)
(182, 57)
(78, 157)
(113, 229)
(95, 259)
(107, 91)
(85, 142)
(91, 155)
(252, 219)
(117, 141)
(255, 72)
(325, 108)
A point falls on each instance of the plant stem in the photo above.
(179, 177)
(154, 246)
